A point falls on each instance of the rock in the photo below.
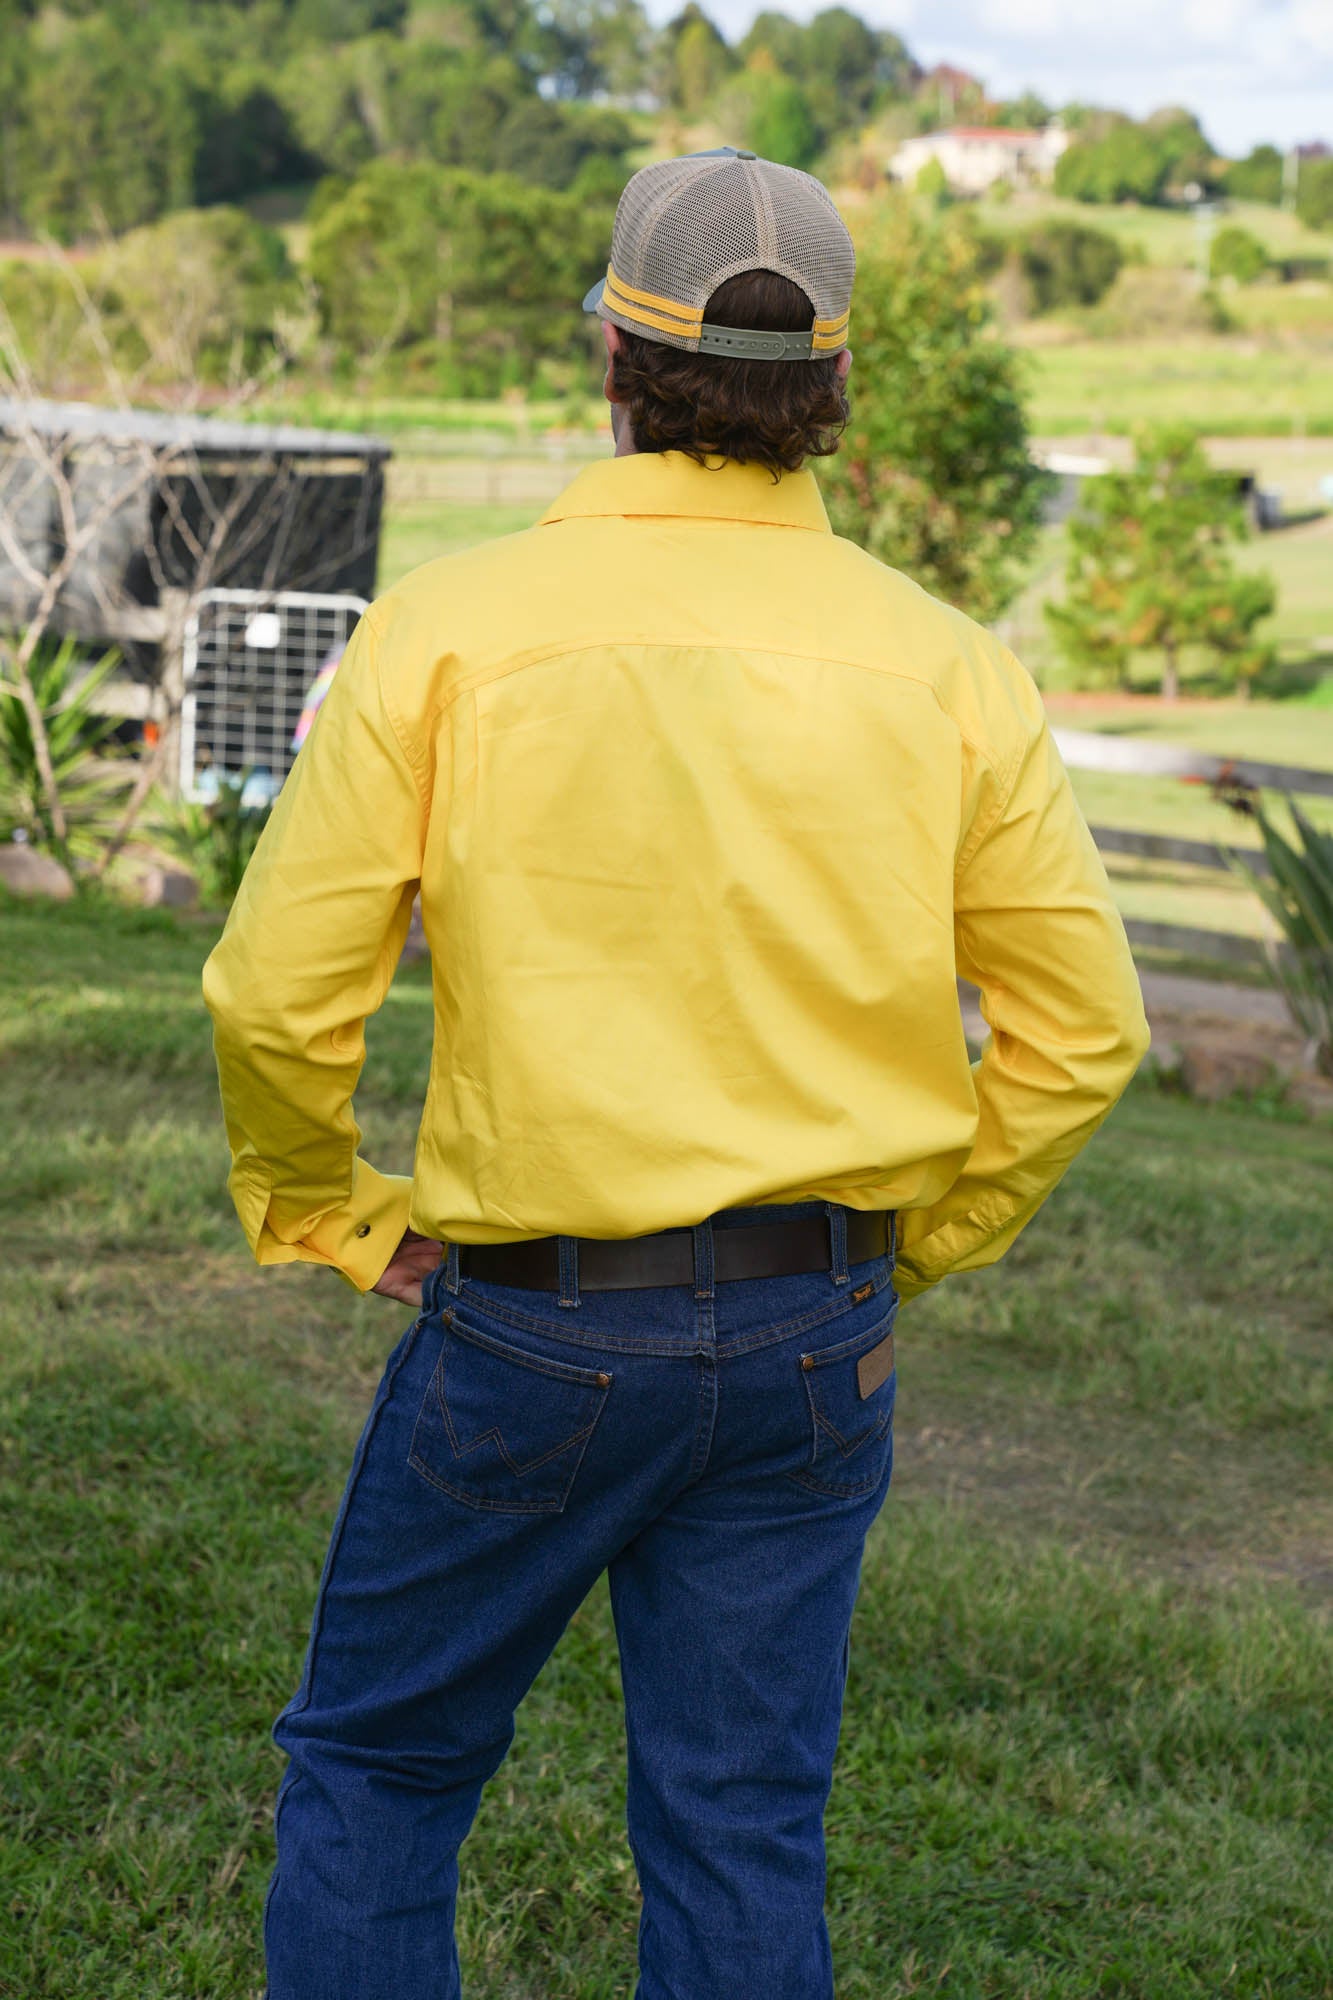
(1212, 1071)
(168, 888)
(26, 871)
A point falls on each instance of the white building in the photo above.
(974, 157)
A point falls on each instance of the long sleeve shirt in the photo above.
(707, 810)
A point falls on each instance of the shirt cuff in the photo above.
(359, 1238)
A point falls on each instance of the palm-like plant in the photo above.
(215, 838)
(1299, 895)
(90, 775)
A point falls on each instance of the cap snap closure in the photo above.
(741, 154)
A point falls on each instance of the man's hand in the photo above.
(414, 1259)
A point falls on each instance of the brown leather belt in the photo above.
(749, 1250)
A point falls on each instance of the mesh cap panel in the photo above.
(684, 226)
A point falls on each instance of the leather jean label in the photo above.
(875, 1366)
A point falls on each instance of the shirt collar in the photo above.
(667, 482)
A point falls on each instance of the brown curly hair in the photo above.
(771, 413)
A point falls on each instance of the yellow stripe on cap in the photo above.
(640, 316)
(830, 334)
(692, 316)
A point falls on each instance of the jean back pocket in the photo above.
(850, 1390)
(504, 1428)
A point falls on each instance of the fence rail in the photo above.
(1165, 847)
(1085, 750)
(1089, 750)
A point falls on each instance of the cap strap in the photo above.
(759, 344)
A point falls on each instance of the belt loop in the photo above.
(451, 1274)
(893, 1241)
(569, 1270)
(703, 1258)
(837, 1223)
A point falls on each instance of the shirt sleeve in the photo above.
(309, 950)
(1037, 931)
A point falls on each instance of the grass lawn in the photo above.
(1086, 1747)
(1223, 384)
(1161, 235)
(415, 531)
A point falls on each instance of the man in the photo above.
(706, 809)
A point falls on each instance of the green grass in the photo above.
(1160, 235)
(1086, 1743)
(417, 531)
(1227, 386)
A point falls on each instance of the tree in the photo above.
(481, 270)
(1314, 193)
(782, 126)
(1150, 568)
(933, 475)
(108, 135)
(1237, 253)
(548, 144)
(1182, 142)
(1258, 177)
(778, 37)
(696, 57)
(840, 58)
(15, 66)
(1129, 164)
(603, 45)
(1024, 113)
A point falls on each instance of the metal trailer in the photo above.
(250, 657)
(287, 509)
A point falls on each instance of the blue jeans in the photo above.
(708, 1446)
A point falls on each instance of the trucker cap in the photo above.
(684, 226)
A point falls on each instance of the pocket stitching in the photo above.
(529, 1465)
(585, 1378)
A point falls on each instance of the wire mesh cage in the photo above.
(252, 660)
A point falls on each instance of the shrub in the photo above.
(201, 290)
(214, 838)
(90, 781)
(1299, 894)
(1237, 253)
(1068, 264)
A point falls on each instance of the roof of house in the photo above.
(1004, 133)
(188, 432)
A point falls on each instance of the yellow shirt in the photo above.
(707, 809)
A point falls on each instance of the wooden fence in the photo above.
(1093, 751)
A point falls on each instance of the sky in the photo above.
(1252, 70)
